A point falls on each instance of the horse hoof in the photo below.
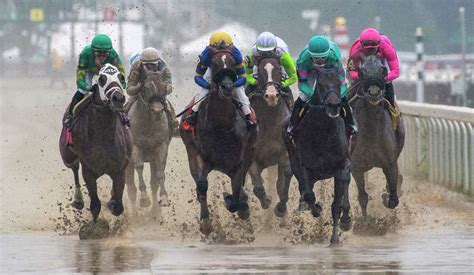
(345, 224)
(78, 204)
(266, 202)
(144, 201)
(303, 206)
(244, 212)
(205, 227)
(335, 241)
(94, 230)
(164, 201)
(316, 210)
(390, 201)
(115, 207)
(280, 210)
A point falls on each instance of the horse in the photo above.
(101, 144)
(151, 138)
(377, 144)
(320, 150)
(220, 141)
(271, 111)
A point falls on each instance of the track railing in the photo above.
(439, 144)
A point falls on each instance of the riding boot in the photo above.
(78, 96)
(299, 104)
(350, 120)
(288, 97)
(124, 118)
(251, 124)
(172, 121)
(389, 94)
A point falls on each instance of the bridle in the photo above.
(323, 105)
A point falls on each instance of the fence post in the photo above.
(419, 48)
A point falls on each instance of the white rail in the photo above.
(439, 144)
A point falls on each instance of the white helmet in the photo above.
(150, 55)
(266, 41)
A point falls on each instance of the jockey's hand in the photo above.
(94, 88)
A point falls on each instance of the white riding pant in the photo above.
(238, 94)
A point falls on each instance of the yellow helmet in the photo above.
(220, 38)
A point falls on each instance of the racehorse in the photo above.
(220, 141)
(151, 138)
(377, 144)
(320, 150)
(101, 144)
(271, 111)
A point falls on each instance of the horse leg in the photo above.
(115, 204)
(131, 188)
(90, 178)
(255, 172)
(78, 202)
(238, 200)
(308, 194)
(283, 185)
(162, 156)
(336, 208)
(391, 174)
(199, 171)
(363, 196)
(345, 178)
(137, 157)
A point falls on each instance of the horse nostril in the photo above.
(266, 96)
(277, 95)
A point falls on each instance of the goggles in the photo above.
(370, 43)
(319, 60)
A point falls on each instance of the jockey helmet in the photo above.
(221, 39)
(150, 55)
(318, 47)
(101, 43)
(370, 38)
(266, 41)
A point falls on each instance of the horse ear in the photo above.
(102, 80)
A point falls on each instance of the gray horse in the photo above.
(220, 141)
(151, 138)
(377, 144)
(271, 111)
(101, 144)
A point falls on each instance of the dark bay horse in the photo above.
(378, 144)
(151, 138)
(101, 144)
(271, 111)
(320, 150)
(221, 141)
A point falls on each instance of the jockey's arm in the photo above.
(303, 85)
(342, 77)
(81, 73)
(134, 84)
(287, 61)
(166, 76)
(239, 68)
(248, 63)
(199, 76)
(392, 60)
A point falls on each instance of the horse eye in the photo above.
(102, 80)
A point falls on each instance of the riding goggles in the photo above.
(102, 52)
(370, 44)
(319, 60)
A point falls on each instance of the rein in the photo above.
(323, 105)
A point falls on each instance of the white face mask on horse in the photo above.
(110, 86)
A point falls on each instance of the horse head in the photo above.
(223, 74)
(269, 80)
(372, 74)
(153, 94)
(110, 88)
(327, 93)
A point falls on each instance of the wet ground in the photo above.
(431, 251)
(432, 229)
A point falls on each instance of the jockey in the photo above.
(320, 54)
(268, 46)
(151, 59)
(91, 60)
(221, 41)
(371, 42)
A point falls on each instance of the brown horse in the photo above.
(271, 111)
(221, 141)
(151, 138)
(320, 150)
(101, 144)
(377, 144)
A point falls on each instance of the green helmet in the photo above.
(318, 47)
(101, 42)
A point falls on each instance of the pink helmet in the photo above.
(370, 38)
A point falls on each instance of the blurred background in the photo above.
(42, 38)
